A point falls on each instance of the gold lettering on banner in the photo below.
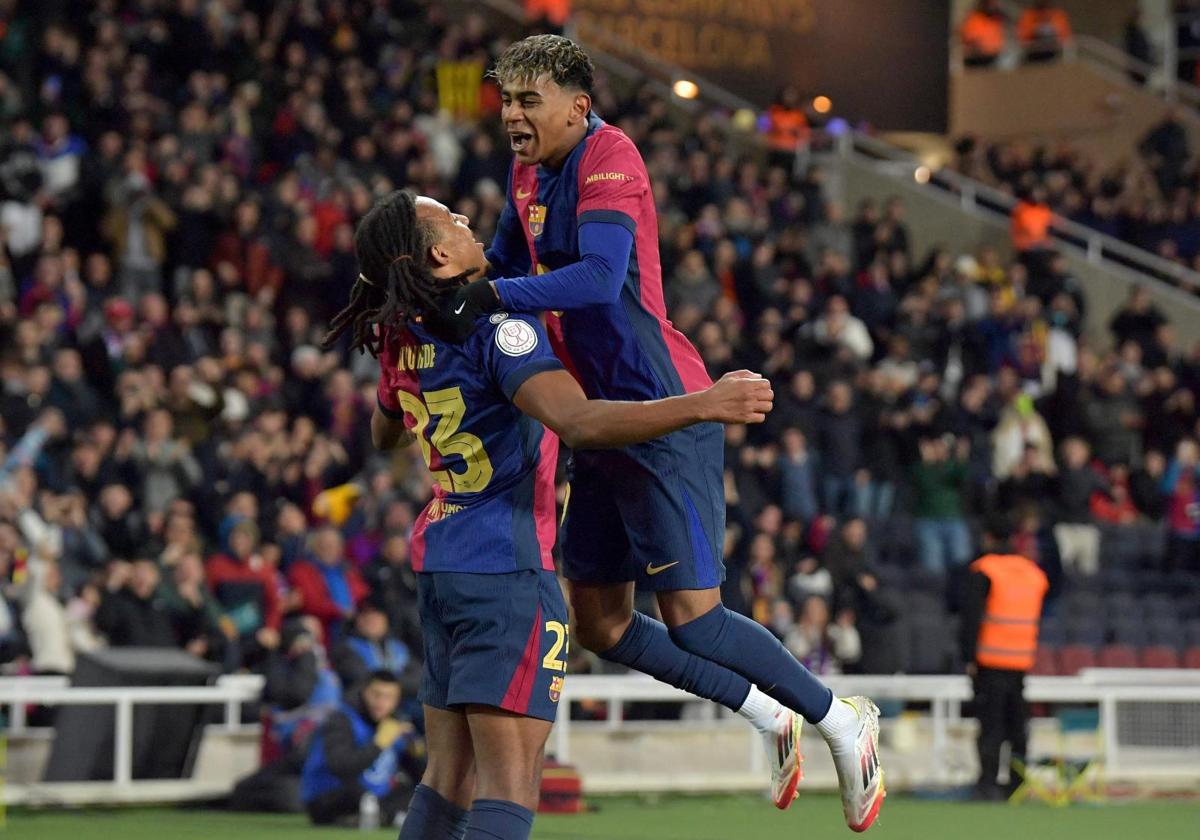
(694, 43)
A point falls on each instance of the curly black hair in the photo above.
(395, 285)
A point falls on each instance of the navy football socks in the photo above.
(748, 648)
(646, 646)
(431, 815)
(498, 819)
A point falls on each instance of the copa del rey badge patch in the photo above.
(515, 338)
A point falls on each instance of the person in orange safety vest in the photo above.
(1043, 30)
(1002, 604)
(982, 34)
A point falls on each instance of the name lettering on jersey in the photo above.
(607, 176)
(439, 510)
(537, 219)
(416, 358)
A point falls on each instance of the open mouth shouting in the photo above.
(520, 141)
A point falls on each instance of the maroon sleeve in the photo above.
(612, 181)
(385, 394)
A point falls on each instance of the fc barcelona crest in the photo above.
(537, 219)
(556, 684)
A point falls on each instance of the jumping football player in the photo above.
(579, 235)
(487, 414)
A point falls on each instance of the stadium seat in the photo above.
(1074, 658)
(1157, 656)
(1116, 580)
(1052, 632)
(924, 604)
(1086, 630)
(1083, 604)
(1045, 664)
(1133, 633)
(1156, 605)
(1122, 603)
(1118, 656)
(930, 646)
(1191, 633)
(1167, 632)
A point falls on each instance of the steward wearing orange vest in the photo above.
(1002, 604)
(982, 34)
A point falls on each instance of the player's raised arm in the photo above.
(555, 398)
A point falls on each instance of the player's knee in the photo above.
(599, 635)
(452, 779)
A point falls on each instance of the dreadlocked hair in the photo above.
(395, 284)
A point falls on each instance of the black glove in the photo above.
(458, 313)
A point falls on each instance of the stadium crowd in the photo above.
(1150, 200)
(183, 467)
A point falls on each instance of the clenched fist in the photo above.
(740, 396)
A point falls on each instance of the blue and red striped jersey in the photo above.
(622, 350)
(493, 506)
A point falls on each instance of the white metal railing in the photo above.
(974, 196)
(1104, 688)
(1108, 689)
(230, 691)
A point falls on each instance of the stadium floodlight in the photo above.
(686, 89)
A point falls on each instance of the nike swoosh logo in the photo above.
(523, 194)
(651, 569)
(460, 308)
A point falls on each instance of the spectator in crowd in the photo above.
(370, 646)
(982, 34)
(798, 477)
(168, 469)
(1137, 45)
(1181, 487)
(1114, 420)
(943, 537)
(247, 588)
(301, 692)
(393, 583)
(175, 248)
(1138, 320)
(1167, 151)
(1043, 30)
(131, 614)
(1146, 485)
(1077, 535)
(839, 332)
(840, 433)
(824, 647)
(329, 588)
(194, 612)
(44, 617)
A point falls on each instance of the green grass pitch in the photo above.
(814, 817)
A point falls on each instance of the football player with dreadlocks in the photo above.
(488, 414)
